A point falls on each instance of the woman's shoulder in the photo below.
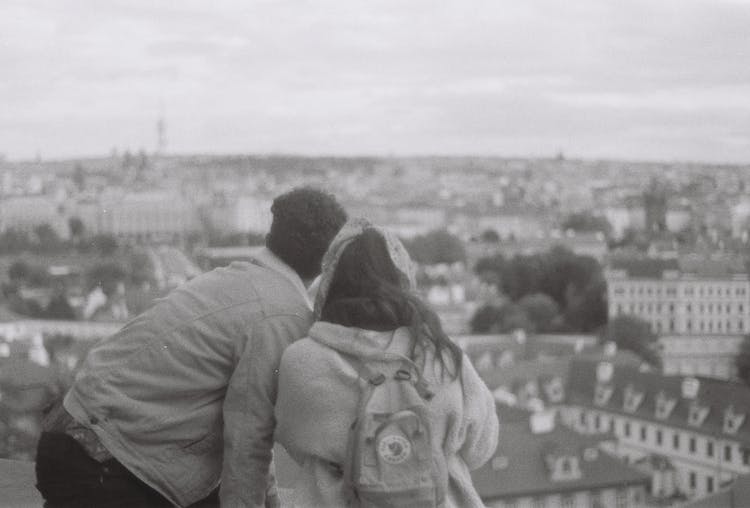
(307, 351)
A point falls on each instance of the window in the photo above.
(567, 501)
(745, 457)
(676, 441)
(658, 437)
(644, 433)
(621, 498)
(627, 429)
(709, 484)
(691, 445)
(691, 477)
(728, 453)
(539, 502)
(597, 421)
(710, 448)
(595, 499)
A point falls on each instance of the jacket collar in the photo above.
(271, 261)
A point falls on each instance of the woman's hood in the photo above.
(365, 344)
(351, 230)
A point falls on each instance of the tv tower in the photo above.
(161, 135)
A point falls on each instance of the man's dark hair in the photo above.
(305, 220)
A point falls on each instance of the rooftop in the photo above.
(699, 404)
(692, 264)
(521, 468)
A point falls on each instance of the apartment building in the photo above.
(686, 296)
(699, 307)
(690, 433)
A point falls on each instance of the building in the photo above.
(735, 496)
(25, 390)
(148, 216)
(26, 213)
(691, 295)
(539, 463)
(692, 434)
(494, 354)
(704, 355)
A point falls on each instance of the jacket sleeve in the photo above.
(480, 422)
(249, 413)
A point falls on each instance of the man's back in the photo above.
(154, 392)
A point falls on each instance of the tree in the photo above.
(490, 269)
(105, 245)
(436, 247)
(587, 308)
(490, 236)
(504, 319)
(47, 237)
(19, 270)
(541, 309)
(635, 335)
(79, 177)
(484, 319)
(106, 276)
(59, 308)
(522, 275)
(742, 360)
(76, 227)
(14, 240)
(587, 222)
(141, 268)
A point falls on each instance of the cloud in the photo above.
(348, 76)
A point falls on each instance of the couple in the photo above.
(181, 407)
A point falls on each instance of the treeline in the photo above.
(555, 291)
(45, 240)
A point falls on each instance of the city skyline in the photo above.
(661, 80)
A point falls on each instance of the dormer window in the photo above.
(664, 406)
(697, 414)
(732, 420)
(499, 463)
(565, 468)
(602, 394)
(631, 399)
(590, 454)
(554, 390)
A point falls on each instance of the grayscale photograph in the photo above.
(399, 254)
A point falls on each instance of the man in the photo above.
(181, 399)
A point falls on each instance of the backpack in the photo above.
(389, 460)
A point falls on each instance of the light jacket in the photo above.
(317, 402)
(183, 395)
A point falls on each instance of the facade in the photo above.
(689, 296)
(690, 433)
(541, 464)
(703, 355)
(25, 213)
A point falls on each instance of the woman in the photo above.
(367, 312)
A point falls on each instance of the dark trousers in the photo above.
(68, 477)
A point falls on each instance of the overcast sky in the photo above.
(652, 79)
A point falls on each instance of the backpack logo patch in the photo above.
(394, 449)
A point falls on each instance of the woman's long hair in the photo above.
(365, 292)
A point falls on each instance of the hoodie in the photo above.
(317, 402)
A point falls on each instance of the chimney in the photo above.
(542, 422)
(610, 348)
